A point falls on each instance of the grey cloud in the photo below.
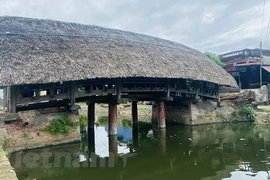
(217, 26)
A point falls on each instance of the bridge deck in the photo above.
(25, 97)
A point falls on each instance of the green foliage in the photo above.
(61, 125)
(83, 121)
(102, 121)
(244, 112)
(3, 153)
(214, 58)
(6, 142)
(126, 123)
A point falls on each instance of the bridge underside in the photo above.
(111, 91)
(36, 96)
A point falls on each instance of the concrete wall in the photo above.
(198, 113)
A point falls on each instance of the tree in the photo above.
(214, 58)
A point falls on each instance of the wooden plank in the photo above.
(42, 105)
(133, 90)
(43, 98)
(94, 92)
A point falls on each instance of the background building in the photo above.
(244, 66)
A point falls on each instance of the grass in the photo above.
(61, 125)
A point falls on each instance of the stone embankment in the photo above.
(6, 171)
(27, 133)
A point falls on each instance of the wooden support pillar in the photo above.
(161, 114)
(119, 90)
(37, 93)
(162, 140)
(218, 96)
(135, 135)
(91, 141)
(197, 97)
(72, 94)
(52, 90)
(113, 151)
(112, 119)
(91, 115)
(168, 89)
(12, 99)
(5, 98)
(134, 108)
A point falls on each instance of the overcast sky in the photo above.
(213, 25)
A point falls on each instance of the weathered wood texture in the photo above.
(112, 119)
(95, 91)
(161, 115)
(91, 115)
(134, 112)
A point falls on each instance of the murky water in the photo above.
(222, 151)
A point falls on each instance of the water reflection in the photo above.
(224, 151)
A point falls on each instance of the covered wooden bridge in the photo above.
(45, 63)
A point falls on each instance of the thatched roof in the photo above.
(42, 51)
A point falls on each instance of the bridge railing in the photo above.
(135, 89)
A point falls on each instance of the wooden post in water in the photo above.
(135, 135)
(134, 112)
(91, 115)
(161, 114)
(113, 151)
(91, 141)
(112, 118)
(162, 140)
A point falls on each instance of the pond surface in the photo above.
(222, 151)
